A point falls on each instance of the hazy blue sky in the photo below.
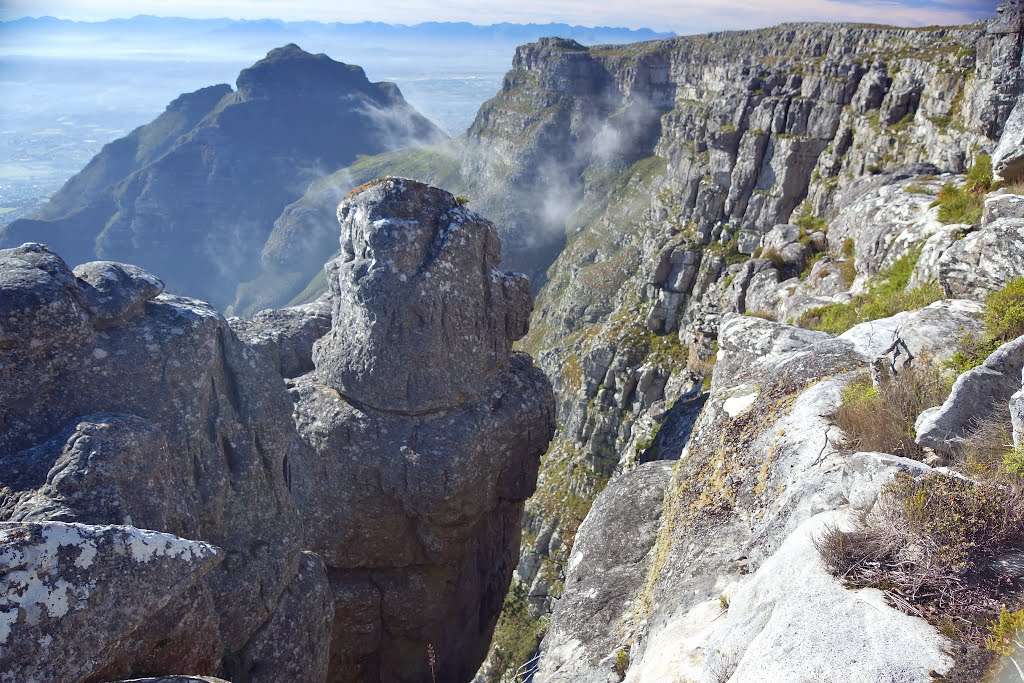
(682, 16)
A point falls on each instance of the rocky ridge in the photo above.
(164, 485)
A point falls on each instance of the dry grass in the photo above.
(882, 419)
(929, 544)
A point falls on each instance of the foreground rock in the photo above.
(976, 396)
(731, 586)
(126, 406)
(422, 435)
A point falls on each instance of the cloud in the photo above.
(682, 16)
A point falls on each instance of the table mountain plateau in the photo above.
(779, 290)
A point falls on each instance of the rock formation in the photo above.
(125, 406)
(421, 425)
(218, 167)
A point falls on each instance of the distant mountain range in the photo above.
(298, 30)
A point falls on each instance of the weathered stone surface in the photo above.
(114, 292)
(1002, 204)
(76, 599)
(421, 435)
(286, 335)
(1008, 157)
(928, 331)
(865, 473)
(609, 557)
(984, 261)
(175, 679)
(415, 328)
(975, 396)
(163, 418)
(1017, 417)
(294, 644)
(793, 621)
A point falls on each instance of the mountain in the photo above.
(194, 194)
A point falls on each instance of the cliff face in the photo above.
(218, 167)
(724, 139)
(171, 504)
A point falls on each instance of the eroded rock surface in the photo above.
(422, 434)
(400, 459)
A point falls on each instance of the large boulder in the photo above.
(82, 601)
(422, 434)
(423, 318)
(983, 261)
(125, 406)
(610, 553)
(976, 396)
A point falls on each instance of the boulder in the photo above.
(81, 601)
(610, 553)
(1017, 417)
(1008, 157)
(975, 396)
(118, 409)
(286, 335)
(928, 331)
(414, 328)
(421, 435)
(983, 261)
(1002, 204)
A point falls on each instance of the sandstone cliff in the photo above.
(171, 505)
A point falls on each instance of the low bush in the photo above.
(1004, 321)
(882, 419)
(886, 296)
(965, 204)
(929, 544)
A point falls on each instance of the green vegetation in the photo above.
(965, 204)
(811, 223)
(882, 418)
(886, 296)
(518, 633)
(848, 266)
(1004, 321)
(1005, 632)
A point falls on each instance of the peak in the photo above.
(561, 43)
(290, 68)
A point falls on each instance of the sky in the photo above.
(681, 16)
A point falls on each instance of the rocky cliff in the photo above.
(194, 194)
(172, 505)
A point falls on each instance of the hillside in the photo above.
(194, 194)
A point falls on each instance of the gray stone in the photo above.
(76, 600)
(1002, 204)
(1017, 418)
(607, 559)
(975, 396)
(984, 260)
(113, 292)
(415, 329)
(286, 335)
(294, 644)
(167, 403)
(864, 474)
(1008, 157)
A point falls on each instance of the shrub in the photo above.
(882, 419)
(1013, 462)
(929, 544)
(1005, 632)
(773, 255)
(886, 296)
(462, 200)
(1004, 321)
(811, 223)
(965, 204)
(956, 205)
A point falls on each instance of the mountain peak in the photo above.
(290, 68)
